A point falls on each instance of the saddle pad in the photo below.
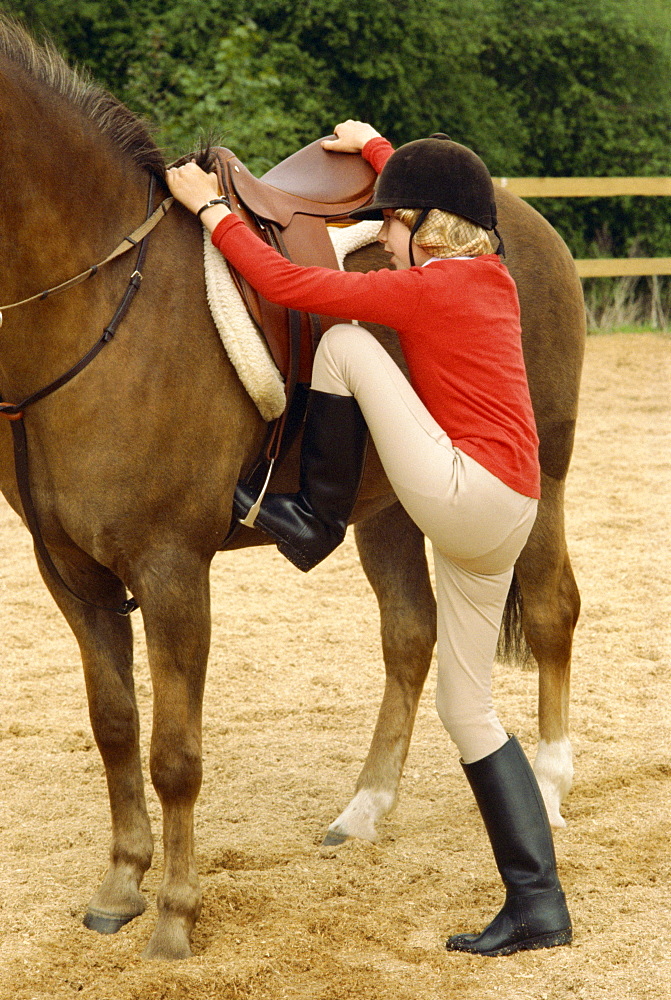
(347, 239)
(246, 348)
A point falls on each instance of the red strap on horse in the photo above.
(10, 411)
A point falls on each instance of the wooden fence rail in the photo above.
(598, 187)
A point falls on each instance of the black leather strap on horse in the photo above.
(126, 244)
(15, 411)
(273, 450)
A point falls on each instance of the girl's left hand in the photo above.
(192, 186)
(351, 137)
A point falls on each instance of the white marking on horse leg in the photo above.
(360, 816)
(553, 768)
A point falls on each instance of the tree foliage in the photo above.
(590, 82)
(537, 87)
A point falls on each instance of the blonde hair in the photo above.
(443, 234)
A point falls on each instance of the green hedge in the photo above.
(537, 87)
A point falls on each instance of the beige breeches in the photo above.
(477, 526)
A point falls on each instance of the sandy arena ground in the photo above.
(294, 684)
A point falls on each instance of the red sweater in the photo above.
(458, 323)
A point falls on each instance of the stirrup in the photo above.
(252, 513)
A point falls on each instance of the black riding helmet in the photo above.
(435, 173)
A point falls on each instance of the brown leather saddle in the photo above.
(288, 208)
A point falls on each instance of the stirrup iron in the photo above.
(251, 515)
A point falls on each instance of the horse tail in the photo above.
(513, 646)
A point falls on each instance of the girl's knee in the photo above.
(343, 338)
(342, 358)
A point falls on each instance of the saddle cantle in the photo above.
(288, 208)
(311, 182)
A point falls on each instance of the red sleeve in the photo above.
(387, 297)
(377, 151)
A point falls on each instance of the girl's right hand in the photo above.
(351, 137)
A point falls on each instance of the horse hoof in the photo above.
(334, 839)
(157, 952)
(170, 940)
(105, 923)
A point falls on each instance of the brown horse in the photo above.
(134, 461)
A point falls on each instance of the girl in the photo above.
(458, 444)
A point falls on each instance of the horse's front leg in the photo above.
(106, 644)
(550, 609)
(173, 593)
(393, 557)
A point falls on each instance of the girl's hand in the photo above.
(192, 186)
(351, 137)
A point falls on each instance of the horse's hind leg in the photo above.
(106, 645)
(392, 554)
(550, 609)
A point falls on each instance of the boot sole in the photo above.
(553, 940)
(296, 556)
(300, 561)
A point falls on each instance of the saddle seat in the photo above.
(311, 182)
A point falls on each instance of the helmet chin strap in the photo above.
(422, 216)
(500, 250)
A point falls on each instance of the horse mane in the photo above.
(43, 63)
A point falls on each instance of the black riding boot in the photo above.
(535, 913)
(308, 525)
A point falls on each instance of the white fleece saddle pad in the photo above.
(246, 348)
